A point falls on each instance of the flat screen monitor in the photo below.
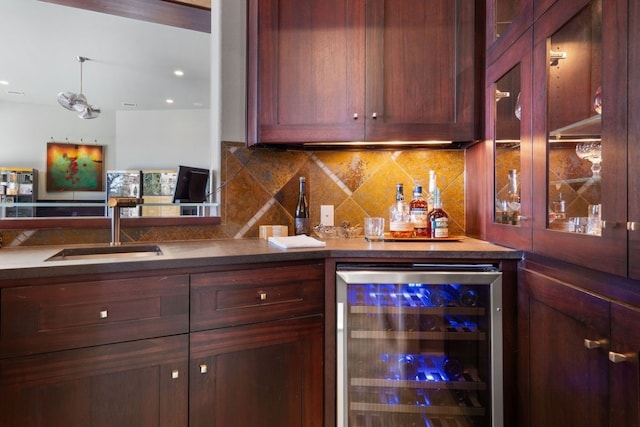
(191, 185)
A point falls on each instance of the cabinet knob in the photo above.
(104, 314)
(524, 218)
(262, 296)
(175, 374)
(203, 368)
(355, 116)
(609, 224)
(591, 344)
(632, 226)
(618, 357)
(374, 116)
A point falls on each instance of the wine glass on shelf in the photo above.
(591, 151)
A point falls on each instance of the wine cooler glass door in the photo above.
(419, 348)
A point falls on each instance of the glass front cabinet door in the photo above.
(508, 100)
(579, 145)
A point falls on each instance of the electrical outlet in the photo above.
(326, 215)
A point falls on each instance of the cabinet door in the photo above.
(579, 134)
(133, 384)
(421, 70)
(269, 375)
(625, 369)
(632, 142)
(305, 71)
(564, 383)
(508, 107)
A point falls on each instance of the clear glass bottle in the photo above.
(400, 225)
(302, 210)
(419, 211)
(432, 189)
(513, 202)
(438, 218)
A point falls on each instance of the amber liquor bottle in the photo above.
(438, 218)
(301, 216)
(419, 210)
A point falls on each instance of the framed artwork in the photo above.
(74, 167)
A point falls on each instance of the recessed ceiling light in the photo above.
(169, 101)
(4, 82)
(178, 73)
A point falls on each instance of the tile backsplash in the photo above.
(260, 186)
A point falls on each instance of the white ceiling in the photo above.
(131, 61)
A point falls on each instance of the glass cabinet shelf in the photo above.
(587, 128)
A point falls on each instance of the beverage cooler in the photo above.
(419, 345)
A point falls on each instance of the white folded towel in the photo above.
(301, 241)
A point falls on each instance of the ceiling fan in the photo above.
(78, 102)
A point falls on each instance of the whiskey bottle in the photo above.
(302, 211)
(400, 225)
(438, 218)
(419, 211)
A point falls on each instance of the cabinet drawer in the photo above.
(248, 296)
(35, 319)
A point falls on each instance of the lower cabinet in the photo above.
(131, 384)
(239, 346)
(578, 356)
(268, 374)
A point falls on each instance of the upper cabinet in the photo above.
(574, 70)
(364, 70)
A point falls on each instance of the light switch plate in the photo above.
(326, 215)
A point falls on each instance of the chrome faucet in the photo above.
(117, 203)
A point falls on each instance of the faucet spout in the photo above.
(116, 204)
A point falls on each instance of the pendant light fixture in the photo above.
(78, 102)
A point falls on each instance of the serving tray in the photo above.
(388, 238)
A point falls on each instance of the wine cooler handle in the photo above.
(618, 357)
(591, 344)
(340, 367)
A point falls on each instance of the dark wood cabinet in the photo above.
(256, 347)
(267, 374)
(374, 70)
(95, 352)
(130, 384)
(578, 356)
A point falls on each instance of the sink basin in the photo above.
(106, 252)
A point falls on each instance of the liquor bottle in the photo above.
(302, 211)
(432, 189)
(438, 218)
(419, 210)
(400, 225)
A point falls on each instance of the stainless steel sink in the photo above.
(107, 252)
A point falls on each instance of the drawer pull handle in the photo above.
(104, 314)
(262, 296)
(175, 374)
(618, 357)
(632, 226)
(355, 116)
(374, 116)
(203, 368)
(591, 344)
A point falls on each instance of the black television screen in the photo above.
(191, 185)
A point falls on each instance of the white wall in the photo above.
(132, 139)
(162, 139)
(25, 130)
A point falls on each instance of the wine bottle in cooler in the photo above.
(302, 210)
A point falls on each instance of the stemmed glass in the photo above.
(591, 151)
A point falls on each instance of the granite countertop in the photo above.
(30, 262)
